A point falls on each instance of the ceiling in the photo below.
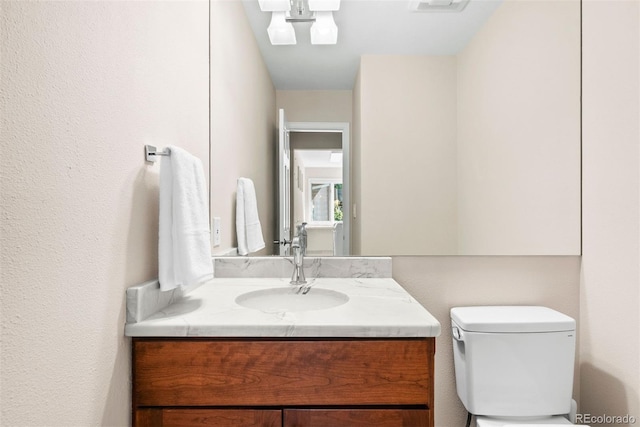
(318, 158)
(382, 27)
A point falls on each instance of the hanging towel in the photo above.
(184, 249)
(247, 222)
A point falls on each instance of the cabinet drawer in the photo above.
(356, 417)
(155, 417)
(176, 372)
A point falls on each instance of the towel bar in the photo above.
(151, 153)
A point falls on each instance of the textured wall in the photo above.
(84, 86)
(610, 289)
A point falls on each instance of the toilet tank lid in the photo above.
(511, 319)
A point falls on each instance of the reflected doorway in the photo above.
(318, 196)
(314, 185)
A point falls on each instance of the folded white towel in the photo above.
(248, 226)
(184, 248)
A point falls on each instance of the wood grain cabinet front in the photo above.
(244, 382)
(183, 417)
(356, 417)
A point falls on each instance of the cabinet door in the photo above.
(356, 417)
(160, 417)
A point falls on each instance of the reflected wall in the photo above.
(243, 122)
(478, 153)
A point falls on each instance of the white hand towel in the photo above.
(247, 222)
(184, 248)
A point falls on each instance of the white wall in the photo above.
(243, 122)
(315, 105)
(84, 86)
(320, 241)
(406, 154)
(519, 132)
(609, 293)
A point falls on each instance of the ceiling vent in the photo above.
(437, 5)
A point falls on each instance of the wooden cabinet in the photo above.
(276, 382)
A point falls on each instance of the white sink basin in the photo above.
(286, 299)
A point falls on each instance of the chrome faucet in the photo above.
(302, 233)
(299, 247)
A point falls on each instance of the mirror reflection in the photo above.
(318, 198)
(464, 139)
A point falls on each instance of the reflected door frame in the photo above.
(343, 129)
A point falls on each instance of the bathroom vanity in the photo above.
(245, 351)
(283, 382)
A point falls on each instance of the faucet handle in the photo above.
(284, 242)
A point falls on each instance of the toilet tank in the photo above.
(513, 360)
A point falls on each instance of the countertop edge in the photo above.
(383, 309)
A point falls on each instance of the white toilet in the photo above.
(514, 364)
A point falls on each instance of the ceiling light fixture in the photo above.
(284, 13)
(280, 31)
(324, 30)
(274, 5)
(324, 5)
(300, 12)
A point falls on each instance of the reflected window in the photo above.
(325, 201)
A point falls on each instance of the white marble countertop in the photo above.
(377, 307)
